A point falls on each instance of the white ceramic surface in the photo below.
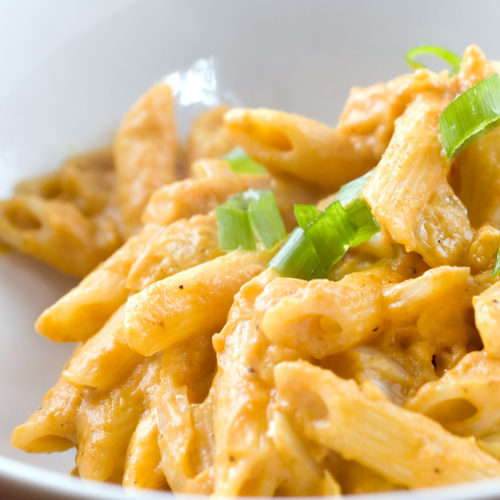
(70, 68)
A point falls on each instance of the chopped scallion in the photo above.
(331, 235)
(350, 191)
(265, 219)
(247, 216)
(305, 214)
(496, 270)
(361, 216)
(235, 231)
(452, 59)
(298, 258)
(471, 115)
(323, 238)
(241, 163)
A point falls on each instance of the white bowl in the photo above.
(69, 70)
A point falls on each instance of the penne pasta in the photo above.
(57, 233)
(409, 193)
(142, 465)
(208, 138)
(285, 142)
(145, 149)
(191, 302)
(487, 314)
(337, 414)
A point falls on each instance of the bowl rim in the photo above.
(21, 475)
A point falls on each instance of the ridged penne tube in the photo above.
(357, 479)
(474, 68)
(407, 300)
(145, 149)
(487, 315)
(303, 476)
(51, 427)
(246, 458)
(184, 407)
(155, 253)
(482, 254)
(478, 186)
(105, 358)
(322, 317)
(85, 309)
(462, 399)
(371, 111)
(183, 244)
(86, 180)
(288, 144)
(208, 137)
(337, 414)
(106, 421)
(408, 192)
(192, 302)
(200, 195)
(142, 465)
(57, 233)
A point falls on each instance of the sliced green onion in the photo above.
(452, 59)
(246, 216)
(361, 216)
(235, 232)
(471, 115)
(331, 234)
(298, 258)
(323, 238)
(241, 163)
(265, 219)
(306, 214)
(350, 191)
(497, 266)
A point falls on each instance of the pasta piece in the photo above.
(145, 150)
(105, 359)
(181, 245)
(366, 363)
(474, 68)
(305, 476)
(47, 186)
(85, 309)
(52, 427)
(356, 479)
(200, 195)
(487, 314)
(86, 180)
(192, 302)
(106, 421)
(214, 183)
(337, 414)
(407, 300)
(56, 232)
(322, 317)
(372, 111)
(151, 255)
(409, 193)
(478, 180)
(462, 399)
(185, 415)
(142, 465)
(208, 138)
(483, 249)
(247, 461)
(285, 143)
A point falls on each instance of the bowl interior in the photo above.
(70, 71)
